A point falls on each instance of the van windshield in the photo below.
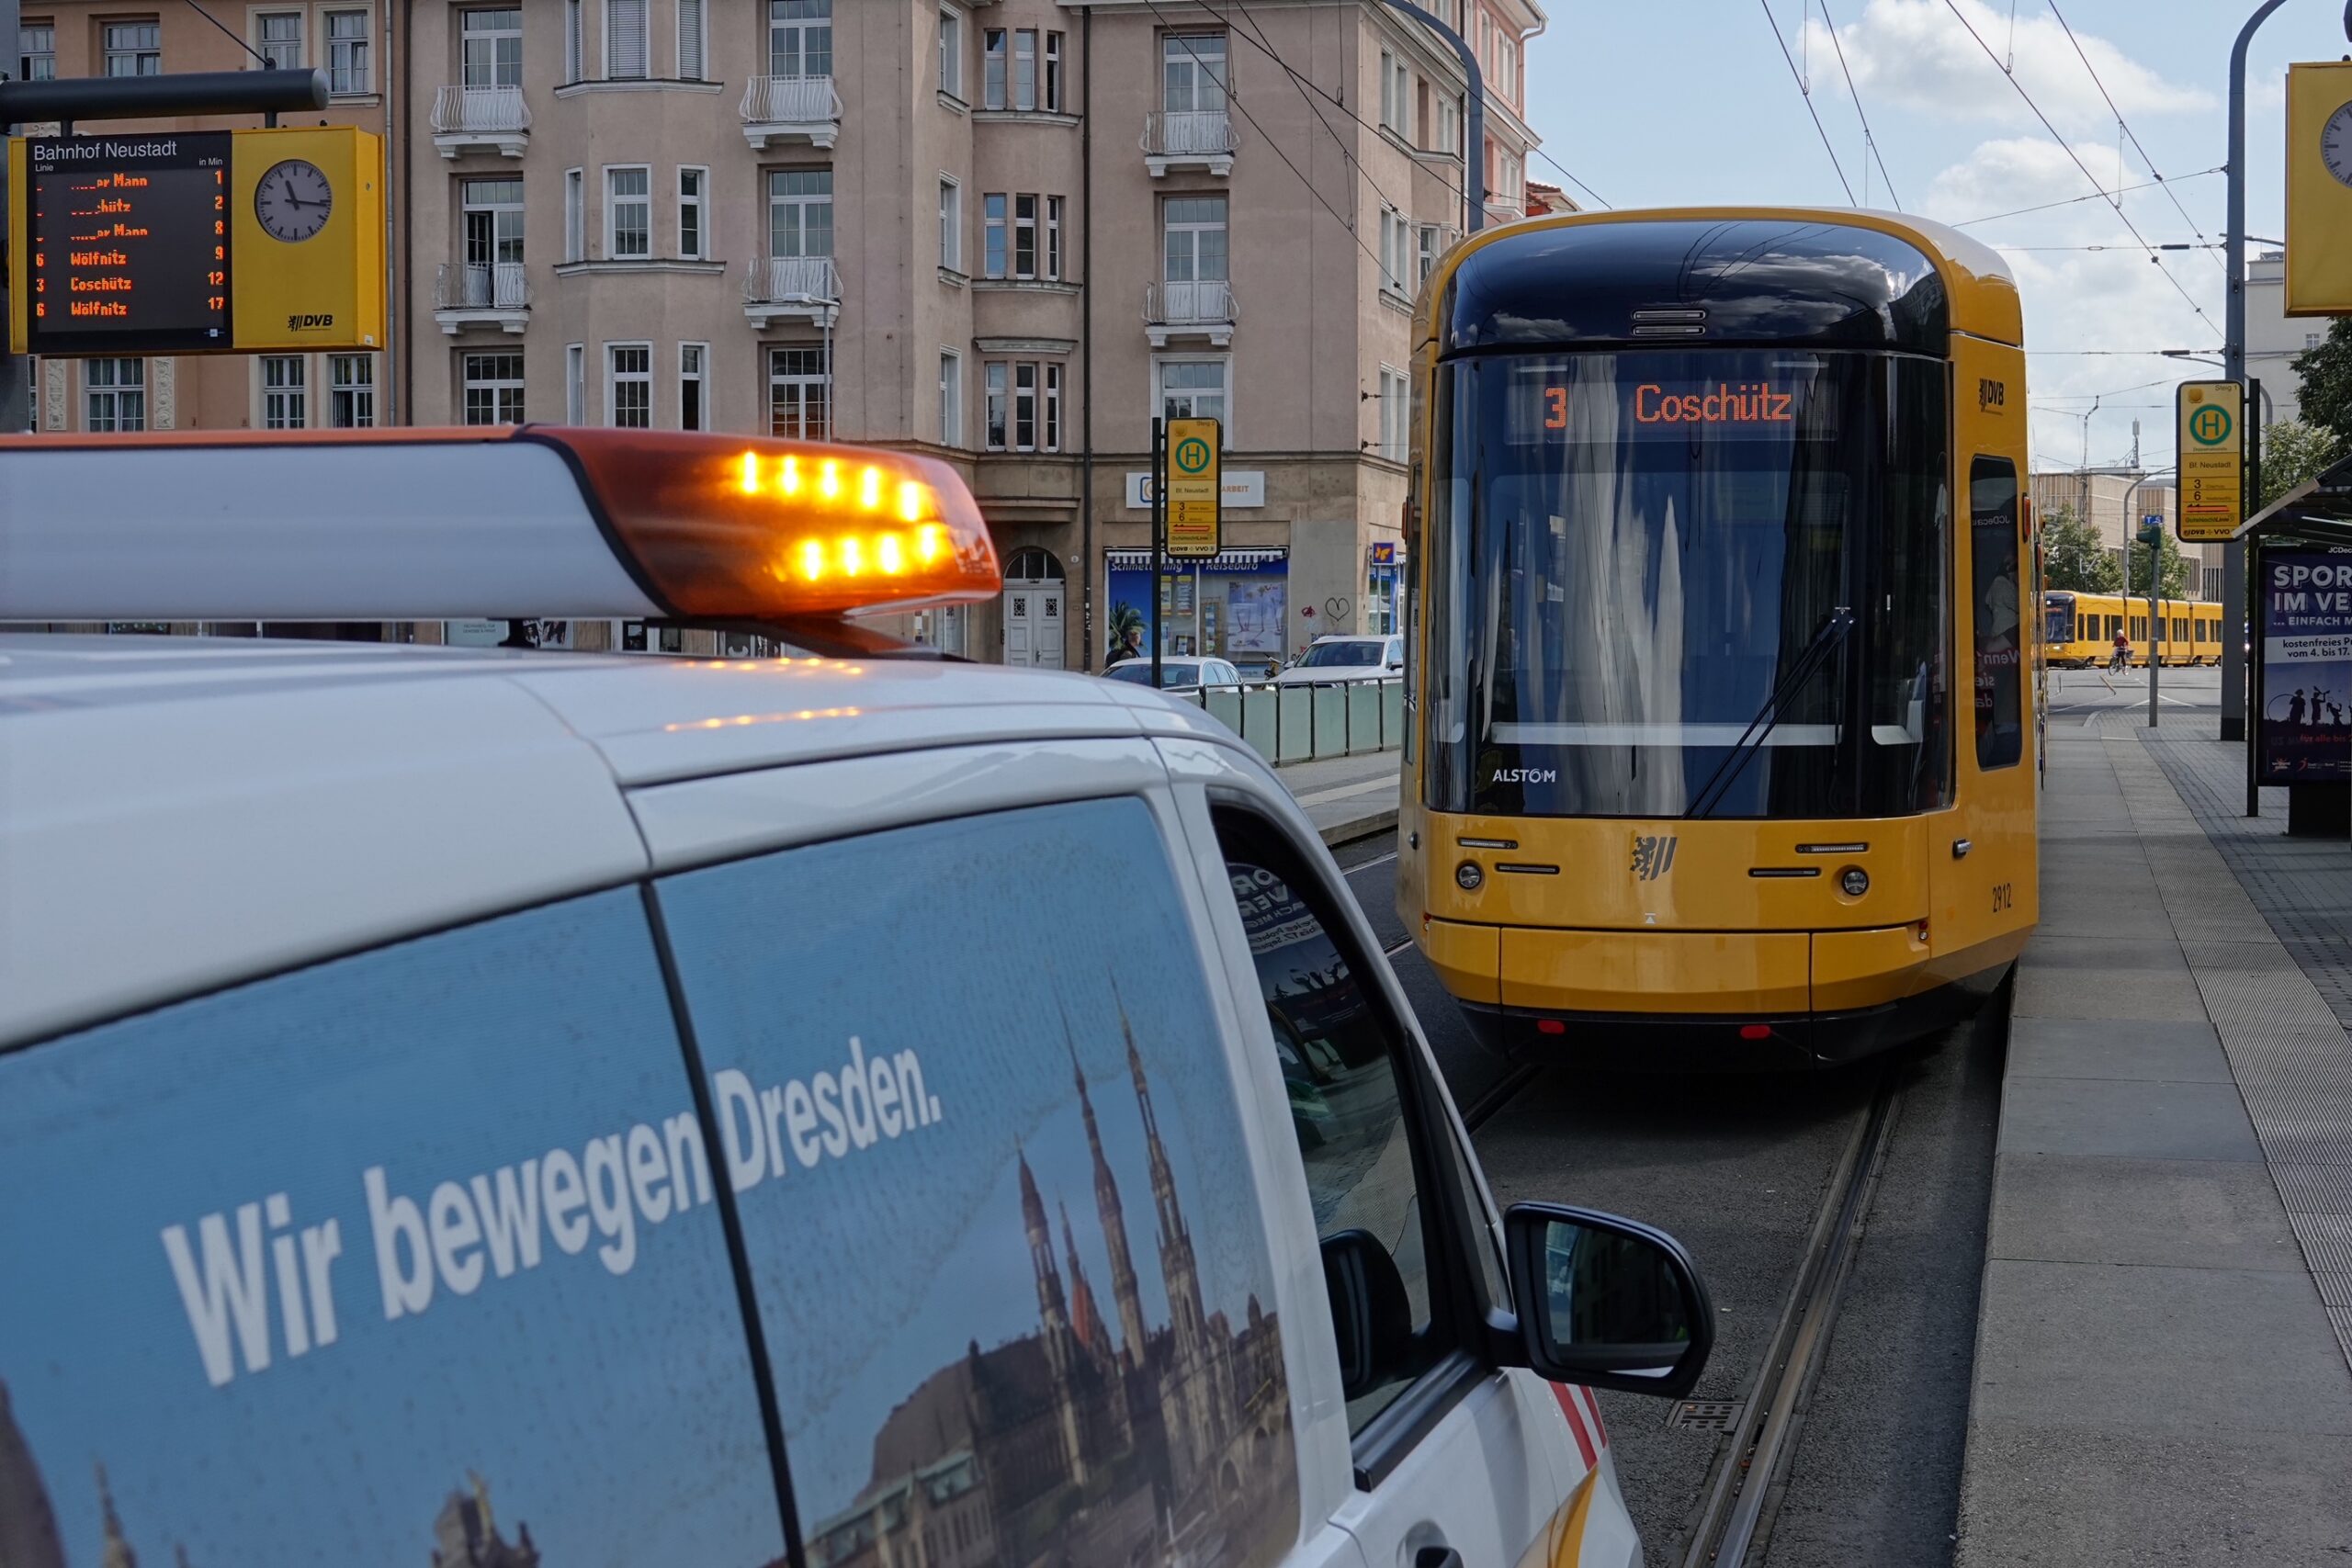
(1324, 655)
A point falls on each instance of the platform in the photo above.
(2164, 1358)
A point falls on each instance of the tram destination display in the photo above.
(129, 241)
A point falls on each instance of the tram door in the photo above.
(1982, 869)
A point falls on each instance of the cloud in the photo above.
(2004, 175)
(1916, 55)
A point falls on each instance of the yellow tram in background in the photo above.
(1722, 741)
(2078, 629)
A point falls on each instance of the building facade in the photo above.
(1007, 233)
(2098, 498)
(346, 40)
(2273, 339)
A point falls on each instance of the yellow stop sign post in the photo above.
(2210, 434)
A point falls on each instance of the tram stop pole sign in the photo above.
(2209, 424)
(1195, 452)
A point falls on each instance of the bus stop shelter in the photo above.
(2298, 612)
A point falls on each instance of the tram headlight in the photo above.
(1468, 877)
(1855, 880)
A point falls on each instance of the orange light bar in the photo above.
(753, 528)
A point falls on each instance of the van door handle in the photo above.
(1437, 1557)
(1960, 848)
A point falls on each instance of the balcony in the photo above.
(792, 288)
(481, 118)
(1180, 311)
(467, 295)
(1188, 139)
(778, 109)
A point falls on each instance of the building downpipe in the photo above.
(1086, 330)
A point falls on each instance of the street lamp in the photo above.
(2269, 409)
(2151, 534)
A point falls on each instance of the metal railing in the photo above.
(1306, 723)
(1188, 133)
(488, 110)
(790, 100)
(465, 286)
(792, 280)
(1207, 303)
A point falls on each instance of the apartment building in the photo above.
(1004, 233)
(92, 37)
(2099, 497)
(2273, 339)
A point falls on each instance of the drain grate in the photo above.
(1705, 1415)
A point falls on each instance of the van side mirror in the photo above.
(1607, 1302)
(1372, 1319)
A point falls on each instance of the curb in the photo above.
(1349, 829)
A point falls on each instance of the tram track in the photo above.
(1742, 1488)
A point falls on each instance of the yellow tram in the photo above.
(1711, 511)
(2078, 629)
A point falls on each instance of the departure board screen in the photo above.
(130, 243)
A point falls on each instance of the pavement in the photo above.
(2164, 1353)
(1347, 797)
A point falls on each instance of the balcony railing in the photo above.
(481, 117)
(1188, 139)
(467, 294)
(1202, 309)
(785, 288)
(791, 109)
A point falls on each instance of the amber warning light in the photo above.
(725, 528)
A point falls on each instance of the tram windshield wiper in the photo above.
(1832, 634)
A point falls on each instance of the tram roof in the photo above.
(1720, 277)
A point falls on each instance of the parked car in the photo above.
(1340, 656)
(1176, 675)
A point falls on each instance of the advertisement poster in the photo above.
(1233, 606)
(2306, 666)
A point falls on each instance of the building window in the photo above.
(625, 47)
(1025, 405)
(691, 29)
(281, 39)
(993, 71)
(1192, 72)
(800, 37)
(36, 52)
(1024, 68)
(629, 213)
(951, 53)
(1449, 124)
(1053, 94)
(1432, 245)
(494, 389)
(492, 227)
(2311, 341)
(575, 383)
(1193, 388)
(800, 212)
(951, 398)
(285, 396)
(1392, 92)
(1051, 438)
(1394, 403)
(1396, 246)
(992, 215)
(134, 49)
(575, 48)
(350, 54)
(694, 230)
(1025, 236)
(951, 224)
(351, 391)
(575, 215)
(114, 394)
(1053, 237)
(628, 385)
(996, 377)
(1194, 240)
(800, 394)
(694, 407)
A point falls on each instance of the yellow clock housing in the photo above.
(325, 291)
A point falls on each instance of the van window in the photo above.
(1002, 1222)
(405, 1257)
(1993, 529)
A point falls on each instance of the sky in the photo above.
(1659, 102)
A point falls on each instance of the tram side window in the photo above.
(1993, 532)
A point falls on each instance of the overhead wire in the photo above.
(2095, 196)
(1805, 93)
(2120, 124)
(1869, 138)
(2067, 147)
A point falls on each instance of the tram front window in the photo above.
(2059, 615)
(1709, 584)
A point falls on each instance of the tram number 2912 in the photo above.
(2004, 901)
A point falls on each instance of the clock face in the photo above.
(293, 199)
(2335, 143)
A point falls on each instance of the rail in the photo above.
(468, 286)
(479, 110)
(792, 280)
(1188, 133)
(790, 100)
(1307, 723)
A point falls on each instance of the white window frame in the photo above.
(358, 396)
(29, 58)
(616, 28)
(1387, 90)
(822, 380)
(1028, 380)
(806, 202)
(1395, 237)
(352, 59)
(1025, 55)
(139, 41)
(1050, 407)
(996, 68)
(1162, 364)
(1052, 76)
(612, 212)
(284, 380)
(1395, 396)
(1448, 109)
(1030, 226)
(801, 27)
(268, 48)
(1171, 227)
(575, 42)
(996, 223)
(700, 204)
(575, 215)
(693, 370)
(951, 398)
(1052, 260)
(490, 38)
(494, 386)
(1214, 66)
(951, 52)
(951, 223)
(114, 390)
(615, 378)
(996, 406)
(575, 383)
(697, 68)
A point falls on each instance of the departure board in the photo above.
(130, 243)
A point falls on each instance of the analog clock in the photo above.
(293, 199)
(2335, 145)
